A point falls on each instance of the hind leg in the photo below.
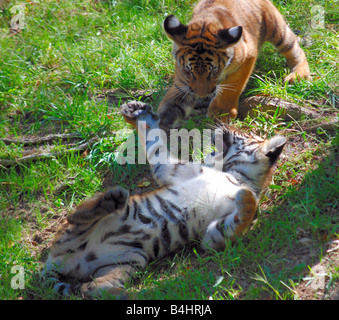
(234, 224)
(64, 260)
(297, 62)
(85, 216)
(109, 280)
(99, 206)
(284, 39)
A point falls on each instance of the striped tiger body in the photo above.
(112, 235)
(216, 51)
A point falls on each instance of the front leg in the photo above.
(177, 104)
(225, 105)
(233, 224)
(166, 167)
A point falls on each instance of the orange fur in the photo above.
(217, 50)
(247, 206)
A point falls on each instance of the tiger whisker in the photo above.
(174, 95)
(185, 90)
(229, 84)
(187, 93)
(226, 87)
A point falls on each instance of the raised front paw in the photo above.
(135, 111)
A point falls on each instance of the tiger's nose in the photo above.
(203, 92)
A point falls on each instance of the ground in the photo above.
(62, 80)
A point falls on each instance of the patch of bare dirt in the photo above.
(319, 284)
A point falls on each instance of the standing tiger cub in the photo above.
(216, 51)
(112, 235)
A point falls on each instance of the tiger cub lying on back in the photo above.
(216, 53)
(112, 235)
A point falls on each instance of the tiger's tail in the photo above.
(286, 41)
(51, 278)
(109, 279)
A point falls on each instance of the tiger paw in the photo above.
(299, 72)
(135, 111)
(215, 236)
(297, 76)
(99, 206)
(224, 113)
(113, 199)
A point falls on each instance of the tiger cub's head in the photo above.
(246, 155)
(201, 52)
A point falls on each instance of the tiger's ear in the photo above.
(228, 37)
(273, 148)
(174, 28)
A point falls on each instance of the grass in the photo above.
(71, 52)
